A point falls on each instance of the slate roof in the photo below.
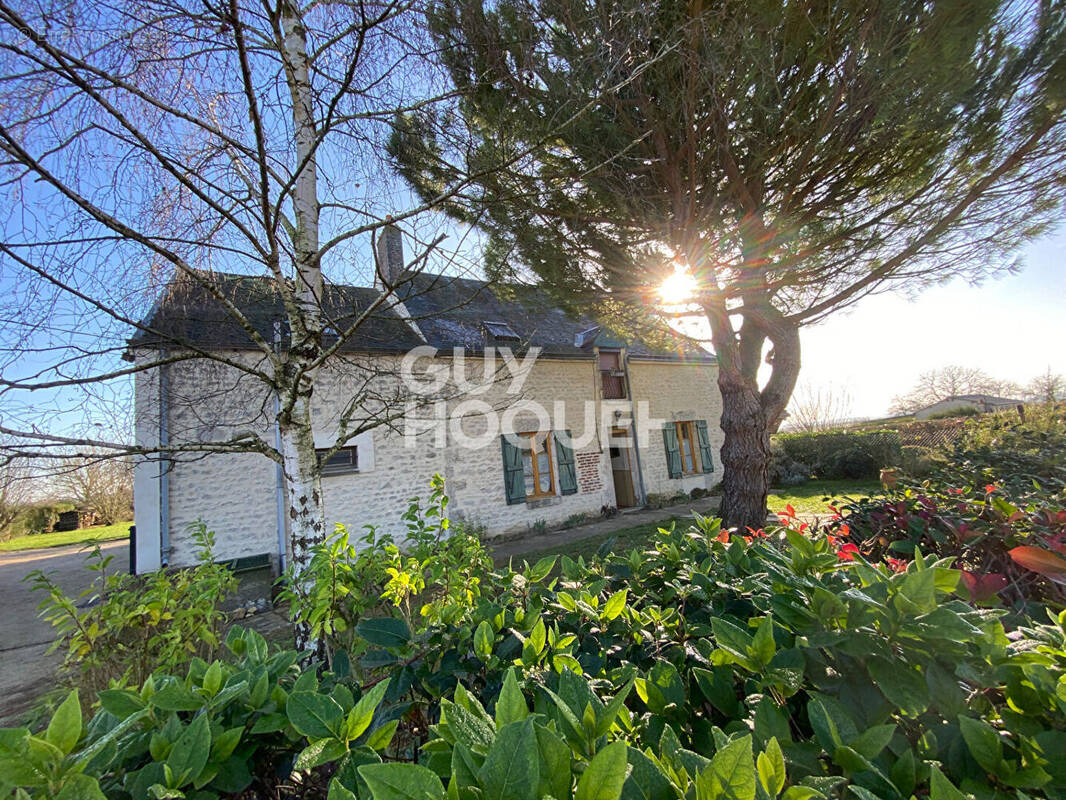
(449, 312)
(188, 312)
(989, 399)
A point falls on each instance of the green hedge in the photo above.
(40, 518)
(835, 455)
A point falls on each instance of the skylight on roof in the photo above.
(501, 330)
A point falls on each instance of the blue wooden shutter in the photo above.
(514, 481)
(705, 445)
(673, 450)
(564, 453)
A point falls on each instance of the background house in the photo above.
(980, 403)
(572, 464)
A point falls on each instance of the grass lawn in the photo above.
(101, 533)
(807, 499)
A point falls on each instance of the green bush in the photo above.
(220, 729)
(954, 413)
(839, 455)
(1013, 452)
(921, 462)
(40, 518)
(137, 625)
(785, 470)
(996, 506)
(343, 583)
(663, 500)
(713, 665)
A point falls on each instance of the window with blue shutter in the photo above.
(673, 450)
(704, 439)
(564, 453)
(514, 482)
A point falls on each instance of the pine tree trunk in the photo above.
(750, 414)
(745, 453)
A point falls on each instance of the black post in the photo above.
(133, 549)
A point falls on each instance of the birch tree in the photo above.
(147, 141)
(791, 158)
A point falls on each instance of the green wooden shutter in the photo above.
(514, 482)
(705, 445)
(564, 453)
(673, 450)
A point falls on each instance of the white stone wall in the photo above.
(475, 476)
(235, 495)
(231, 493)
(676, 392)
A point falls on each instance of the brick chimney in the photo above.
(388, 255)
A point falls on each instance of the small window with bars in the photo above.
(342, 462)
(614, 385)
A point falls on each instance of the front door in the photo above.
(622, 469)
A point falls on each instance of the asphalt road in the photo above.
(26, 669)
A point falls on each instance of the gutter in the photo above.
(164, 467)
(279, 470)
(695, 361)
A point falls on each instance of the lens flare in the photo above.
(679, 288)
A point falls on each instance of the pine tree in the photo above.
(795, 157)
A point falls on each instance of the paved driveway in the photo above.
(26, 670)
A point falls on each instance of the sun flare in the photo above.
(679, 288)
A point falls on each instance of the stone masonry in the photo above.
(235, 494)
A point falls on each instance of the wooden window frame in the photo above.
(339, 469)
(537, 494)
(686, 431)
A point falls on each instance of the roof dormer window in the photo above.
(501, 331)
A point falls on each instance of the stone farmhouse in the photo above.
(625, 420)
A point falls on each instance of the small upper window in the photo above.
(345, 460)
(614, 384)
(501, 330)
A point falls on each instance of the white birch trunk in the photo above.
(307, 520)
(306, 515)
(305, 188)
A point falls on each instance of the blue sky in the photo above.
(1013, 327)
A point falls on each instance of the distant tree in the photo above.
(819, 408)
(950, 381)
(102, 485)
(792, 157)
(1049, 387)
(16, 492)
